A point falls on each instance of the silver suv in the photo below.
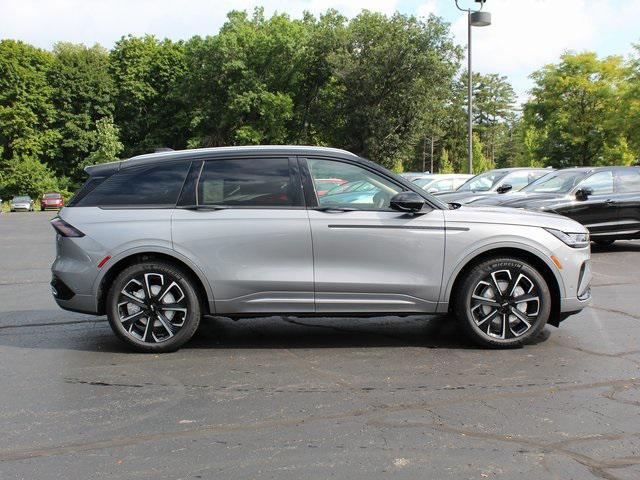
(157, 241)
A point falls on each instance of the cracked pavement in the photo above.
(285, 397)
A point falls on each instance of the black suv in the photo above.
(606, 200)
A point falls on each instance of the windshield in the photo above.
(483, 182)
(21, 199)
(423, 182)
(559, 182)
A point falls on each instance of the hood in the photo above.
(532, 200)
(513, 216)
(462, 197)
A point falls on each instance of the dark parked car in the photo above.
(499, 180)
(606, 200)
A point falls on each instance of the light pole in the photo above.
(475, 18)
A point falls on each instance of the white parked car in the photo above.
(441, 183)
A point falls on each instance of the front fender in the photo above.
(457, 257)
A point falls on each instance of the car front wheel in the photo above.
(502, 302)
(153, 307)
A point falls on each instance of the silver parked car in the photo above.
(21, 202)
(499, 180)
(442, 182)
(159, 240)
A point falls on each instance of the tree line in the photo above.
(390, 88)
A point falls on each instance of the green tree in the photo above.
(445, 164)
(389, 73)
(481, 163)
(575, 108)
(26, 175)
(147, 73)
(107, 143)
(257, 80)
(27, 113)
(82, 94)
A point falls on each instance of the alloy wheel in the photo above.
(505, 304)
(152, 307)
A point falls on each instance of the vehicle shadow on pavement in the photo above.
(92, 334)
(292, 332)
(620, 246)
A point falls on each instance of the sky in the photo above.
(524, 35)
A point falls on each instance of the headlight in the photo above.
(575, 240)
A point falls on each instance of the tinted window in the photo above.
(147, 185)
(601, 183)
(558, 182)
(628, 181)
(259, 182)
(441, 186)
(362, 189)
(521, 179)
(483, 182)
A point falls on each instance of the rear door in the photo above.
(367, 257)
(627, 199)
(246, 226)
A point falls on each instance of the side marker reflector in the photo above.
(556, 260)
(104, 260)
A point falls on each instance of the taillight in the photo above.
(64, 229)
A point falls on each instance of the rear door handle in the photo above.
(609, 202)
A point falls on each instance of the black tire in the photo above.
(135, 332)
(604, 243)
(475, 301)
(42, 209)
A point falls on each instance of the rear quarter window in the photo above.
(139, 186)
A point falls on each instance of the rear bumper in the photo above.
(79, 303)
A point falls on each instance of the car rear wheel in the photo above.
(502, 302)
(154, 307)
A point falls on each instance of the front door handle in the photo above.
(608, 202)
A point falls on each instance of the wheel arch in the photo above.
(126, 259)
(536, 259)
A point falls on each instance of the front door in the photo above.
(598, 211)
(368, 257)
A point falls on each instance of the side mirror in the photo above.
(504, 188)
(583, 193)
(432, 190)
(409, 202)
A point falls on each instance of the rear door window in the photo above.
(250, 182)
(139, 186)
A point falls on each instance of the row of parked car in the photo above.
(49, 201)
(604, 199)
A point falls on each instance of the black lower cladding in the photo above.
(60, 289)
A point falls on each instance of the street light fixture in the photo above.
(475, 18)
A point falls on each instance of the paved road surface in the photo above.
(289, 398)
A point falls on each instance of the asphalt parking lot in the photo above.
(313, 398)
